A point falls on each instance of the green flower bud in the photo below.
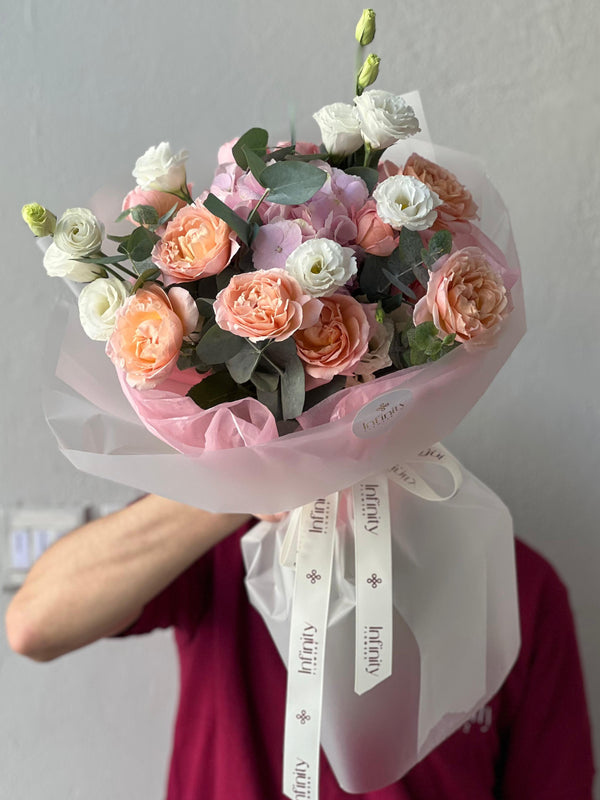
(365, 30)
(41, 221)
(368, 73)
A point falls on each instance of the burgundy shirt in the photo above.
(531, 742)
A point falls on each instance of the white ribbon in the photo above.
(310, 610)
(308, 546)
(373, 580)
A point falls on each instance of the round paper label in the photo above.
(381, 414)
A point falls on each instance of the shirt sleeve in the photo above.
(181, 604)
(547, 752)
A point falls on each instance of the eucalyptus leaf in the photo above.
(255, 139)
(265, 381)
(235, 222)
(144, 215)
(255, 163)
(406, 290)
(168, 215)
(409, 248)
(147, 275)
(224, 277)
(271, 400)
(440, 245)
(421, 274)
(292, 182)
(101, 259)
(140, 243)
(243, 363)
(282, 152)
(292, 388)
(218, 346)
(142, 266)
(373, 282)
(205, 307)
(215, 389)
(370, 176)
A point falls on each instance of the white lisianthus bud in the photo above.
(160, 169)
(59, 264)
(321, 266)
(384, 118)
(340, 128)
(99, 302)
(365, 29)
(41, 221)
(404, 202)
(78, 232)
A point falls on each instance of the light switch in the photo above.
(28, 533)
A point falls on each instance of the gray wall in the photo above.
(88, 86)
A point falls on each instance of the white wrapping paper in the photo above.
(455, 627)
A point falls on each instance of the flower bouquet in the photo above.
(298, 337)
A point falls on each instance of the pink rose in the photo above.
(161, 201)
(195, 244)
(374, 235)
(466, 296)
(148, 334)
(457, 203)
(337, 341)
(387, 169)
(265, 304)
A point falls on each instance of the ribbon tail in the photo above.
(373, 576)
(306, 656)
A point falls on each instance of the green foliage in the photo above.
(215, 389)
(243, 363)
(439, 245)
(424, 343)
(235, 222)
(218, 346)
(292, 182)
(255, 140)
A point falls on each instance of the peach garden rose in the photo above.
(465, 296)
(337, 342)
(265, 304)
(148, 334)
(457, 202)
(195, 244)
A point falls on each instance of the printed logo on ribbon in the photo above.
(301, 782)
(381, 414)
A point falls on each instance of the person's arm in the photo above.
(95, 580)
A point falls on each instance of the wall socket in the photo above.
(28, 532)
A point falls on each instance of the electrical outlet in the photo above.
(28, 533)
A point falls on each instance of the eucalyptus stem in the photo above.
(254, 212)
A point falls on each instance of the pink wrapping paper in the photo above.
(228, 458)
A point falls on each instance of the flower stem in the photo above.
(183, 194)
(359, 62)
(368, 152)
(254, 212)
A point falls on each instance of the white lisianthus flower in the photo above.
(78, 232)
(99, 302)
(340, 128)
(321, 266)
(59, 264)
(384, 118)
(160, 169)
(404, 202)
